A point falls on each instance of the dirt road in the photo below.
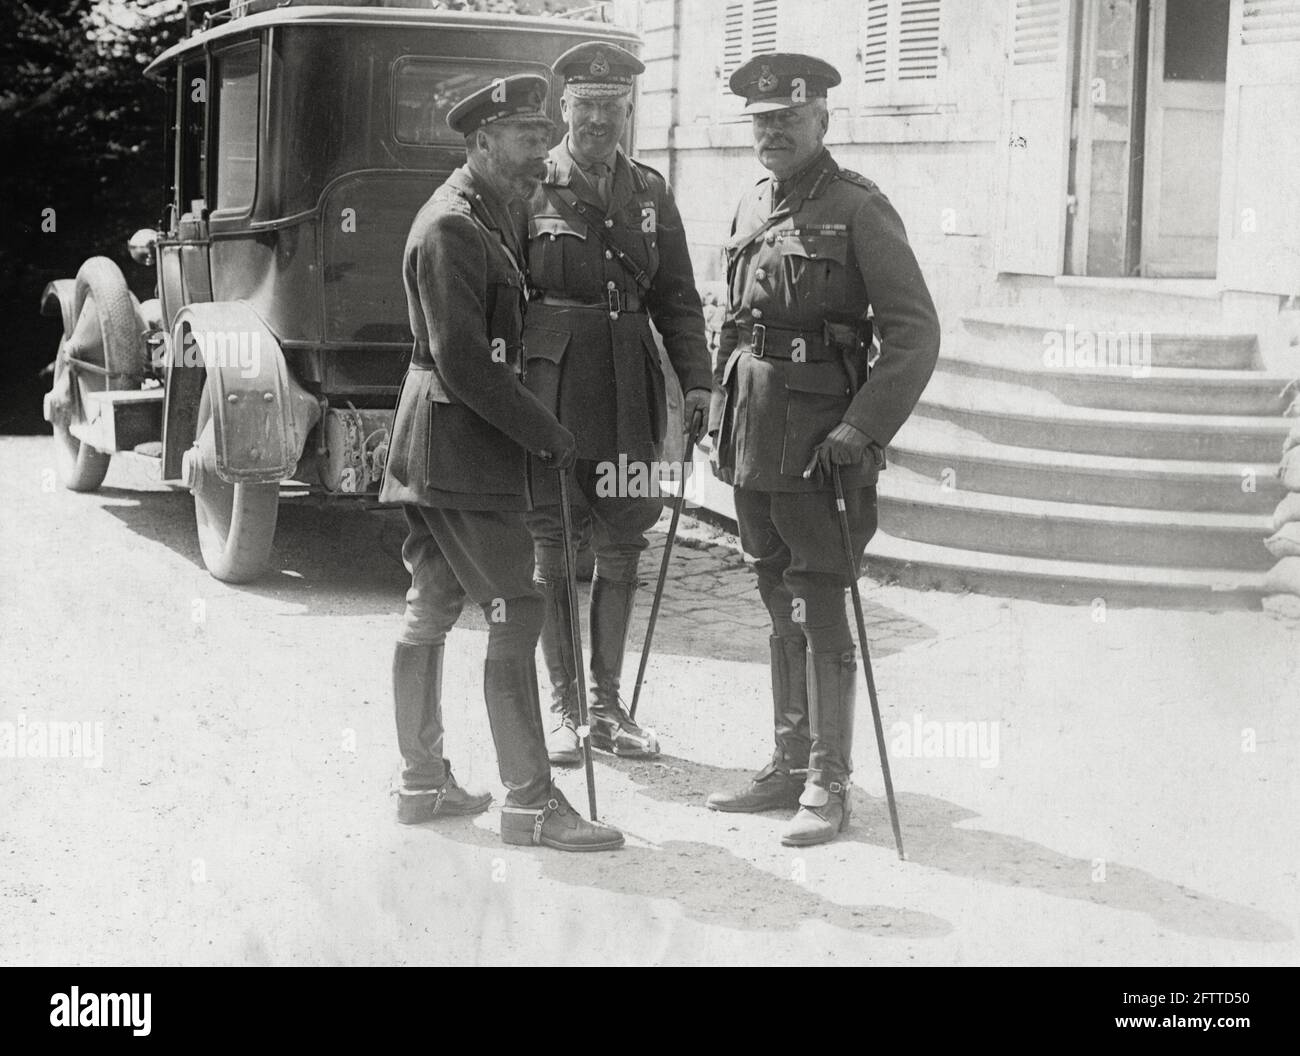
(1127, 797)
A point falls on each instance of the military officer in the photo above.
(458, 463)
(606, 254)
(817, 257)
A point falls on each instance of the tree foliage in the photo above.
(81, 132)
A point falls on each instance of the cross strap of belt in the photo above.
(598, 224)
(740, 243)
(778, 342)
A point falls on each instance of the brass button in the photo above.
(609, 254)
(611, 285)
(609, 223)
(757, 313)
(760, 274)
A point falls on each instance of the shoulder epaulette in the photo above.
(639, 170)
(856, 178)
(456, 202)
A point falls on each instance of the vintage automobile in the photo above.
(304, 139)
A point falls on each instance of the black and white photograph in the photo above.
(651, 483)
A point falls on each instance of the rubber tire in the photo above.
(236, 522)
(79, 466)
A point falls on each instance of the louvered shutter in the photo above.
(1259, 223)
(1035, 146)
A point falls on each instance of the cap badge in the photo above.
(766, 79)
(600, 65)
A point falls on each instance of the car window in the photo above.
(425, 89)
(237, 94)
(191, 145)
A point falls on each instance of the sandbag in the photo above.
(1284, 577)
(1289, 471)
(1293, 437)
(1285, 542)
(1288, 510)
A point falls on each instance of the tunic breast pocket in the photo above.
(555, 241)
(811, 264)
(817, 395)
(638, 231)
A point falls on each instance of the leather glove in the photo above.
(563, 453)
(697, 400)
(845, 445)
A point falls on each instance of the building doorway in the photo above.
(1146, 140)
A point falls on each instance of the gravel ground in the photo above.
(1132, 801)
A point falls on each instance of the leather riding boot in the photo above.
(515, 715)
(562, 744)
(824, 806)
(428, 788)
(779, 784)
(790, 702)
(612, 728)
(554, 823)
(448, 800)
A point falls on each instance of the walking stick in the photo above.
(842, 509)
(692, 434)
(575, 631)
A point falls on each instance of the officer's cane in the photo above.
(842, 509)
(692, 435)
(575, 631)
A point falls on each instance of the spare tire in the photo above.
(104, 339)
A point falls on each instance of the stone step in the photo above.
(1127, 381)
(1195, 301)
(926, 566)
(1022, 416)
(945, 452)
(1173, 341)
(916, 507)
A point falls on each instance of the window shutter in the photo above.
(749, 29)
(1036, 32)
(875, 45)
(918, 40)
(733, 38)
(762, 38)
(900, 41)
(1270, 21)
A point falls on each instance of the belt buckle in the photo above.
(759, 340)
(615, 301)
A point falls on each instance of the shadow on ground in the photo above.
(934, 836)
(330, 559)
(711, 885)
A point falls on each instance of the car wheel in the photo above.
(105, 333)
(236, 522)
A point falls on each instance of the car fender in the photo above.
(261, 415)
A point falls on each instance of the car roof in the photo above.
(326, 15)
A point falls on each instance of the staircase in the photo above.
(1125, 455)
